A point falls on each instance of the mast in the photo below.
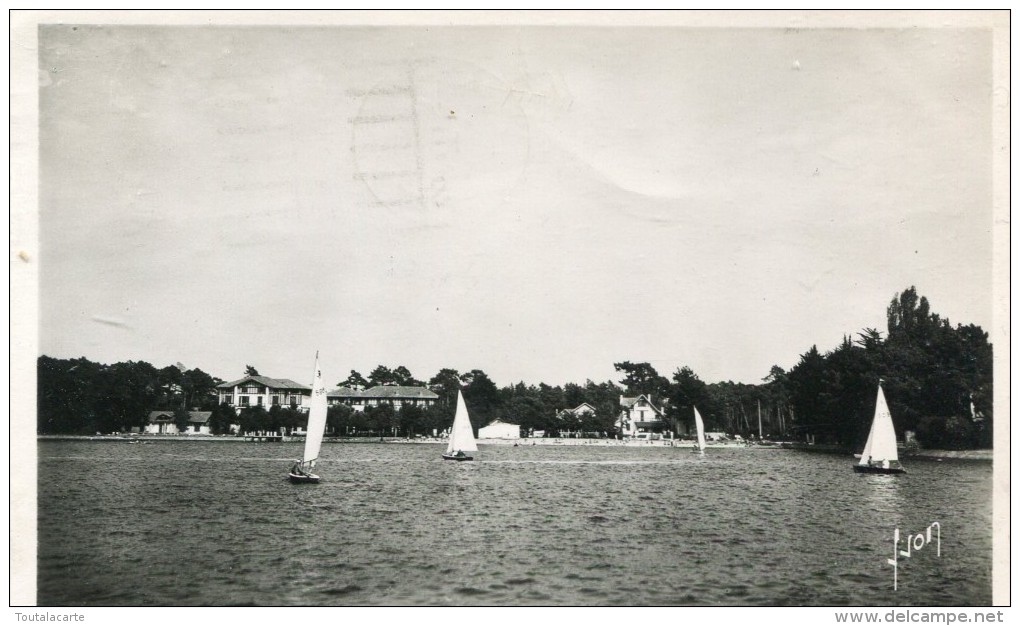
(759, 420)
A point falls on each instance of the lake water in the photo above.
(215, 523)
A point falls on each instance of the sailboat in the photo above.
(700, 424)
(462, 438)
(301, 472)
(880, 455)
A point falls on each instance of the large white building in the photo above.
(265, 392)
(395, 395)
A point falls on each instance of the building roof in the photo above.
(194, 417)
(584, 407)
(399, 391)
(273, 383)
(385, 391)
(160, 416)
(629, 402)
(500, 423)
(343, 392)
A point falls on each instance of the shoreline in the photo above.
(925, 455)
(957, 455)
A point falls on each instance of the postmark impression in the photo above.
(435, 132)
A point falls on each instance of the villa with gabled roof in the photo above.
(265, 392)
(639, 415)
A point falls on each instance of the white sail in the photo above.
(701, 429)
(316, 418)
(461, 436)
(881, 445)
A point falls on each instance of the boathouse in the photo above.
(499, 430)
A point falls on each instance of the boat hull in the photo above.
(303, 478)
(451, 457)
(875, 469)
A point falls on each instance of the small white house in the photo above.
(500, 430)
(162, 423)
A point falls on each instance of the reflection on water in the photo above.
(881, 495)
(201, 523)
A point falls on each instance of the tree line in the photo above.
(937, 379)
(80, 396)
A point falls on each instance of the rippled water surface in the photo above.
(211, 523)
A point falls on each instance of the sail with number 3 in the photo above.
(302, 470)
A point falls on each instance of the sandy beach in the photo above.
(932, 455)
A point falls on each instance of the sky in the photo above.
(535, 202)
